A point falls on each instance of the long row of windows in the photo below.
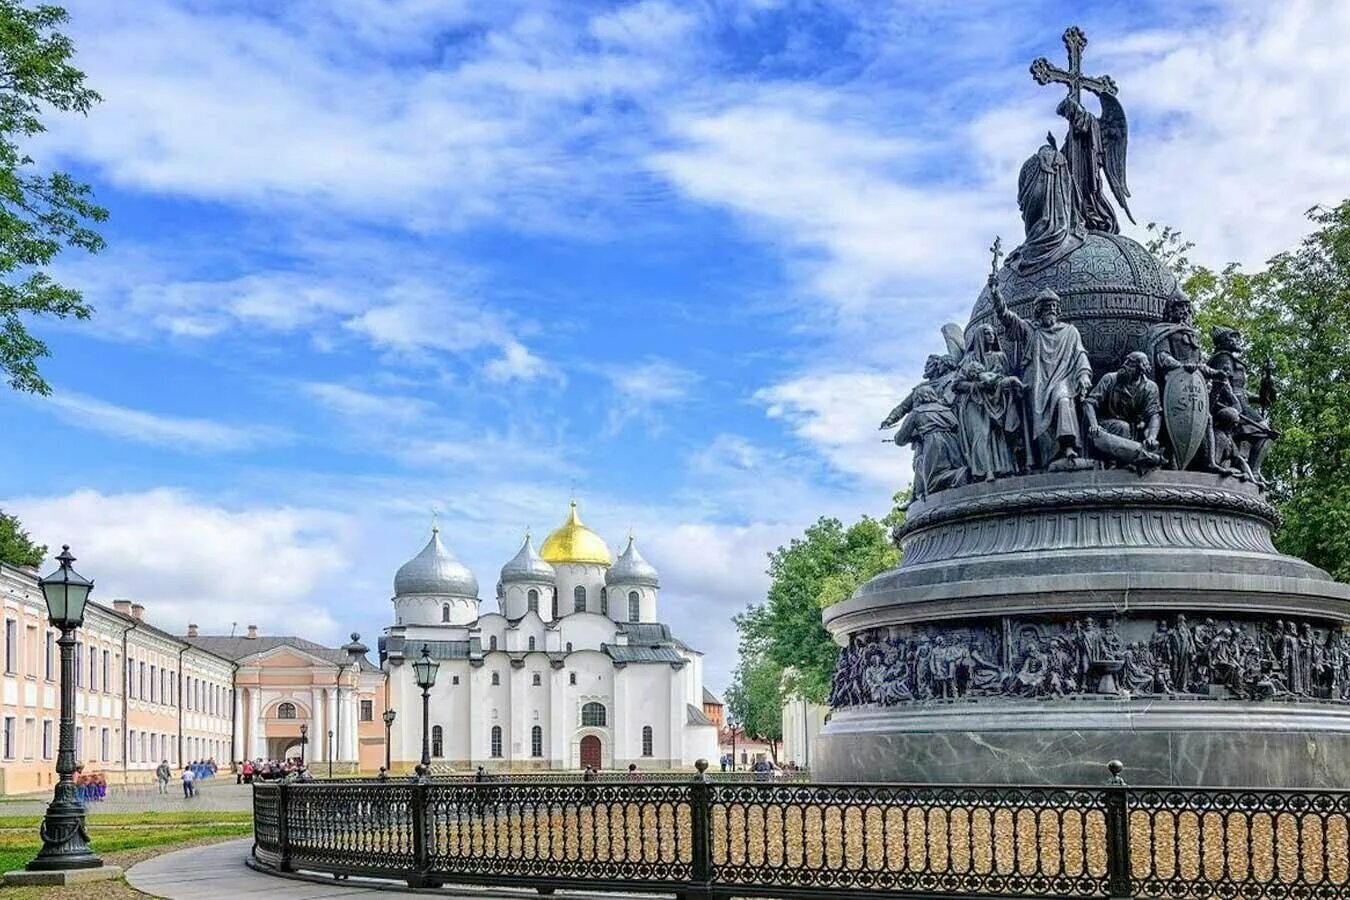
(9, 741)
(536, 737)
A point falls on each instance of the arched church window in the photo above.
(286, 711)
(593, 715)
(531, 642)
(579, 599)
(536, 741)
(492, 642)
(634, 606)
(496, 678)
(646, 740)
(437, 741)
(555, 603)
(569, 646)
(532, 600)
(604, 602)
(496, 742)
(571, 677)
(445, 612)
(536, 680)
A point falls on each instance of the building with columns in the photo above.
(572, 668)
(283, 681)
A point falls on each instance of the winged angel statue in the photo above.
(1095, 145)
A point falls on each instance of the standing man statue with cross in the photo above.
(1095, 146)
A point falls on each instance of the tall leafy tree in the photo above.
(755, 700)
(41, 212)
(784, 634)
(16, 547)
(1295, 315)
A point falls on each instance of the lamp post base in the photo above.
(62, 876)
(65, 843)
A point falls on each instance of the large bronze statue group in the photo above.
(1021, 397)
(1251, 660)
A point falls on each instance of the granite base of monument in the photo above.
(1170, 744)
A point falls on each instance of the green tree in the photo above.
(817, 570)
(16, 548)
(40, 212)
(1295, 315)
(755, 700)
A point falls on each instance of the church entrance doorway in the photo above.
(590, 751)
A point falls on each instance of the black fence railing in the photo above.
(704, 838)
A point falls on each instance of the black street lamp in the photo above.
(389, 715)
(304, 739)
(731, 724)
(425, 669)
(65, 843)
(330, 754)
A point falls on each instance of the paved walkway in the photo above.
(218, 870)
(219, 794)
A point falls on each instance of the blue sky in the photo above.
(370, 258)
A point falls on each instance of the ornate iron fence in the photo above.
(705, 838)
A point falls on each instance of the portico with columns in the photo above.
(284, 682)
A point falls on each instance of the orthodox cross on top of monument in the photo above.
(1095, 145)
(1045, 71)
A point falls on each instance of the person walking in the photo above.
(188, 777)
(162, 775)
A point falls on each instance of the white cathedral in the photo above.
(573, 668)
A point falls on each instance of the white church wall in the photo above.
(569, 576)
(426, 609)
(586, 631)
(646, 698)
(619, 602)
(516, 599)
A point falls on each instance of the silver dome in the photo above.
(435, 571)
(631, 568)
(527, 565)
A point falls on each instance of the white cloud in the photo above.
(174, 432)
(367, 407)
(193, 561)
(437, 118)
(645, 24)
(516, 363)
(641, 389)
(837, 414)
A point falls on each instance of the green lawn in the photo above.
(110, 832)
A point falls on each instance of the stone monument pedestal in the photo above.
(1086, 616)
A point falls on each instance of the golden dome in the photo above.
(573, 542)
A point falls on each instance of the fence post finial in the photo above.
(1115, 767)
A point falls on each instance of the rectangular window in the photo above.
(46, 738)
(93, 743)
(103, 745)
(140, 680)
(93, 669)
(107, 688)
(154, 684)
(79, 743)
(30, 651)
(11, 646)
(131, 678)
(367, 710)
(10, 725)
(50, 669)
(131, 749)
(79, 664)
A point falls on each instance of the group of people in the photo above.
(194, 772)
(90, 786)
(265, 769)
(764, 766)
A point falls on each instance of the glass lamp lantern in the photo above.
(425, 669)
(66, 592)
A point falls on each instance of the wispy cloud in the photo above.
(163, 431)
(642, 390)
